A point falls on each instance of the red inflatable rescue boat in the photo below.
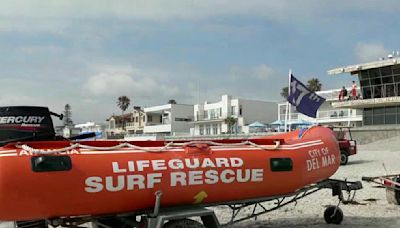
(47, 177)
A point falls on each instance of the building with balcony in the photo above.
(116, 126)
(380, 90)
(327, 113)
(380, 97)
(212, 118)
(169, 119)
(136, 121)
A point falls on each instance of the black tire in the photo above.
(344, 157)
(183, 223)
(31, 224)
(333, 215)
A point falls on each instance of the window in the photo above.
(281, 164)
(378, 116)
(208, 129)
(367, 116)
(390, 115)
(386, 71)
(215, 129)
(398, 114)
(149, 118)
(201, 130)
(390, 119)
(183, 119)
(387, 79)
(240, 110)
(398, 89)
(396, 69)
(367, 120)
(212, 114)
(367, 94)
(364, 82)
(364, 75)
(205, 114)
(377, 91)
(389, 90)
(376, 81)
(374, 73)
(381, 115)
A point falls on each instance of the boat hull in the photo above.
(126, 179)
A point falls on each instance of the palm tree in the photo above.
(314, 85)
(231, 121)
(285, 92)
(123, 103)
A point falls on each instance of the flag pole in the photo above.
(287, 103)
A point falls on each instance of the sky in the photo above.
(87, 53)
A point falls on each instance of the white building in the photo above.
(169, 119)
(326, 114)
(210, 118)
(136, 122)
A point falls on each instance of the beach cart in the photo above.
(391, 183)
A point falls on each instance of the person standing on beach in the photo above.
(354, 90)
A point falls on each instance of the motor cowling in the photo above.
(19, 123)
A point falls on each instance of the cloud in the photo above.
(366, 52)
(260, 72)
(61, 11)
(264, 72)
(127, 81)
(37, 49)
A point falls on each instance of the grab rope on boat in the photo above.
(129, 145)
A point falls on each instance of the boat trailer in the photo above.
(178, 216)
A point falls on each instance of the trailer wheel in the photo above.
(393, 195)
(333, 215)
(183, 223)
(344, 157)
(31, 223)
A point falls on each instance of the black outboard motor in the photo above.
(20, 123)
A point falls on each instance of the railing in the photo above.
(336, 114)
(134, 124)
(215, 117)
(142, 135)
(328, 114)
(334, 94)
(330, 95)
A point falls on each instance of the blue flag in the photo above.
(305, 101)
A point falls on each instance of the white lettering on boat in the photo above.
(21, 119)
(320, 158)
(183, 172)
(50, 151)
